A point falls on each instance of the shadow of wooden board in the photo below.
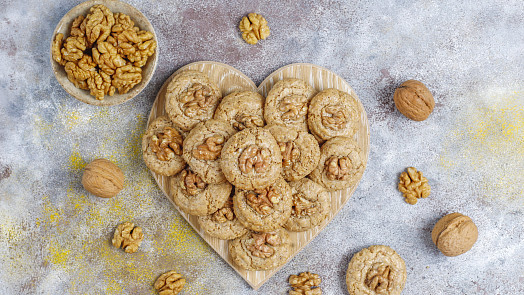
(229, 80)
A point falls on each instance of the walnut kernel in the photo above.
(413, 185)
(243, 121)
(294, 107)
(334, 117)
(254, 158)
(170, 283)
(197, 99)
(262, 200)
(302, 206)
(253, 27)
(128, 237)
(260, 244)
(191, 183)
(290, 154)
(210, 149)
(225, 213)
(166, 144)
(305, 283)
(338, 168)
(378, 279)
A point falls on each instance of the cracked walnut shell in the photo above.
(414, 100)
(128, 237)
(103, 178)
(305, 283)
(413, 185)
(253, 27)
(169, 283)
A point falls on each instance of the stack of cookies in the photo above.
(254, 168)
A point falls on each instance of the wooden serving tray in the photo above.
(230, 79)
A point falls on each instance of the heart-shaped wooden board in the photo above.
(230, 79)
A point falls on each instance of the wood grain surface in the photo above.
(229, 80)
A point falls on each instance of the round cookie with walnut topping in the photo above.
(251, 159)
(333, 113)
(162, 147)
(261, 251)
(191, 97)
(242, 109)
(193, 196)
(341, 164)
(202, 148)
(263, 209)
(376, 270)
(223, 224)
(300, 151)
(310, 205)
(287, 103)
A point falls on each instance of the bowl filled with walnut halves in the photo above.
(104, 52)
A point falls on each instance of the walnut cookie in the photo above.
(251, 159)
(242, 109)
(162, 147)
(287, 104)
(263, 209)
(223, 224)
(333, 113)
(261, 251)
(191, 98)
(202, 148)
(310, 206)
(376, 270)
(194, 196)
(300, 151)
(341, 164)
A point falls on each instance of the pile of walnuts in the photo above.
(104, 52)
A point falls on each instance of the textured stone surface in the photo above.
(55, 238)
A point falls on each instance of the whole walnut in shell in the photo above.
(103, 178)
(454, 234)
(414, 100)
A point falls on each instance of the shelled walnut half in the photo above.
(254, 158)
(260, 244)
(197, 99)
(263, 200)
(170, 283)
(302, 206)
(210, 149)
(413, 185)
(305, 283)
(191, 183)
(290, 154)
(166, 144)
(338, 168)
(128, 237)
(254, 28)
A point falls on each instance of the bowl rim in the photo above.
(84, 95)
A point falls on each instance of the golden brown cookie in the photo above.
(454, 234)
(162, 147)
(300, 151)
(251, 159)
(223, 224)
(287, 104)
(333, 113)
(310, 206)
(263, 209)
(376, 270)
(193, 196)
(242, 109)
(261, 251)
(191, 98)
(341, 164)
(202, 148)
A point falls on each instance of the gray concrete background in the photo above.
(54, 237)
